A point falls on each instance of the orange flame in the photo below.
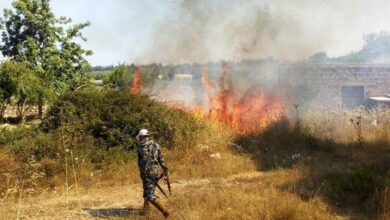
(135, 87)
(205, 79)
(255, 109)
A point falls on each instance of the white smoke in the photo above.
(201, 31)
(213, 30)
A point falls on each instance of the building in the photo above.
(337, 85)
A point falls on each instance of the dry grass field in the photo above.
(320, 165)
(252, 195)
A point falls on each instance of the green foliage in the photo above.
(32, 34)
(114, 118)
(98, 74)
(23, 86)
(119, 76)
(7, 90)
(122, 75)
(10, 136)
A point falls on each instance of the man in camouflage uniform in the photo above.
(150, 159)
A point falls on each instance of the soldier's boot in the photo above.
(160, 208)
(146, 208)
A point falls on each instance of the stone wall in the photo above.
(327, 79)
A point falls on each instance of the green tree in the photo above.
(23, 88)
(32, 34)
(7, 90)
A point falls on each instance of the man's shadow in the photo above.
(113, 212)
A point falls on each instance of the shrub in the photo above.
(114, 118)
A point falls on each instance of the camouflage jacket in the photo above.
(150, 159)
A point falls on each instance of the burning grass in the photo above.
(246, 112)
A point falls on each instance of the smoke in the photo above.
(202, 31)
(172, 31)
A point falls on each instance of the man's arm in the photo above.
(163, 164)
(161, 159)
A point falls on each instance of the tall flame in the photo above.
(136, 84)
(255, 109)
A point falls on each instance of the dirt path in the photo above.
(109, 202)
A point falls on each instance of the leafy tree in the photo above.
(7, 90)
(32, 34)
(23, 88)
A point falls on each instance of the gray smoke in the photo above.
(202, 31)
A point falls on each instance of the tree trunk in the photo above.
(2, 112)
(21, 111)
(40, 106)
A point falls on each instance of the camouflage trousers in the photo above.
(149, 184)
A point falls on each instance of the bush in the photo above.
(114, 118)
(9, 136)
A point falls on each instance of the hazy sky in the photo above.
(200, 30)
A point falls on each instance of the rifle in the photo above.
(166, 179)
(168, 183)
(170, 201)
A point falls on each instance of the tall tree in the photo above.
(7, 89)
(20, 86)
(32, 34)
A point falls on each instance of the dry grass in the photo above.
(253, 201)
(342, 126)
(246, 196)
(192, 163)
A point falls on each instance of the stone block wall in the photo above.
(327, 80)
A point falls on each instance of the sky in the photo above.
(177, 31)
